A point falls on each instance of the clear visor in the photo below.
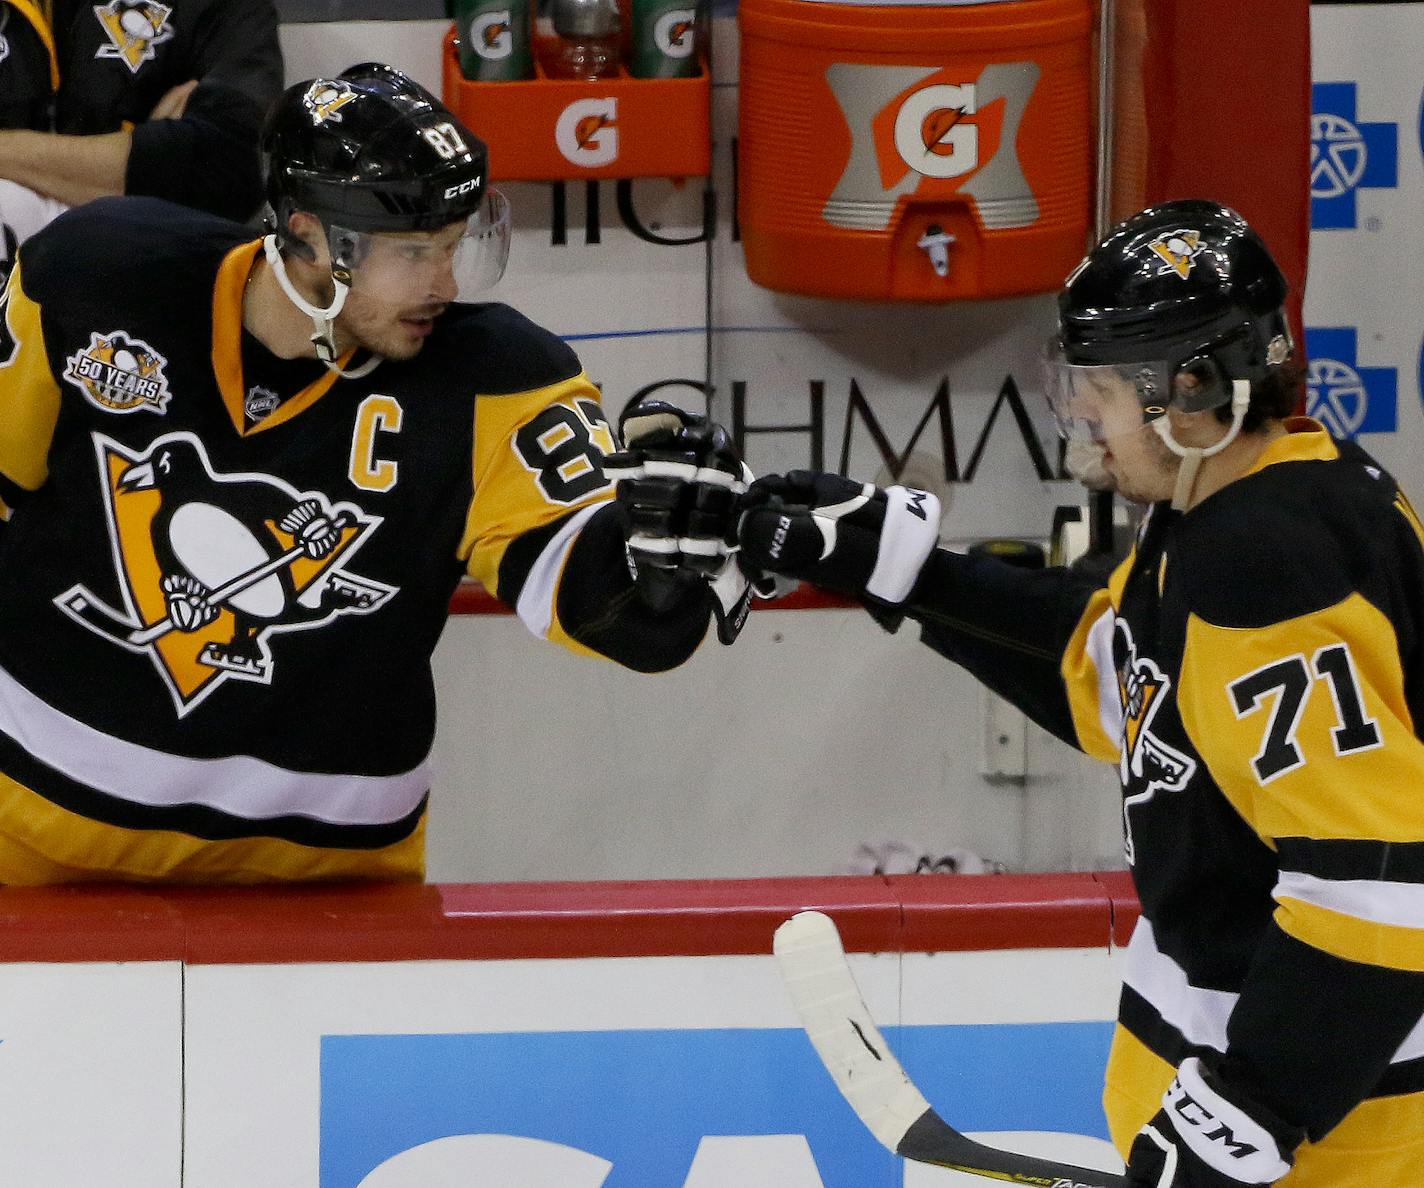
(1105, 401)
(455, 263)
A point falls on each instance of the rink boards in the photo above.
(630, 1035)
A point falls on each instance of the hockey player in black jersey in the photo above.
(1254, 671)
(241, 478)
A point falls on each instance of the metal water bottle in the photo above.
(664, 39)
(492, 39)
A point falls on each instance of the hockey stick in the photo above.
(830, 1007)
(98, 617)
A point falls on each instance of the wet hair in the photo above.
(1272, 399)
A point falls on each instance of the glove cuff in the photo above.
(1250, 1147)
(909, 535)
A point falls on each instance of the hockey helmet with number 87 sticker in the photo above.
(378, 160)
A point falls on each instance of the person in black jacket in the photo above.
(132, 97)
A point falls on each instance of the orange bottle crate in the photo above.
(553, 129)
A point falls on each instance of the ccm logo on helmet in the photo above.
(463, 188)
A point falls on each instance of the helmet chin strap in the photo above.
(323, 332)
(1192, 456)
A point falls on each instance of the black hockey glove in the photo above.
(1208, 1136)
(854, 538)
(679, 481)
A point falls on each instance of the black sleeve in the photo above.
(24, 73)
(236, 43)
(207, 159)
(1008, 626)
(599, 607)
(1313, 1034)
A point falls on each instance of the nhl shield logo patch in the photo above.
(210, 566)
(119, 374)
(134, 28)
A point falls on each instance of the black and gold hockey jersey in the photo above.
(222, 576)
(1254, 670)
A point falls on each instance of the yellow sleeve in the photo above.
(538, 475)
(1089, 672)
(29, 395)
(1306, 728)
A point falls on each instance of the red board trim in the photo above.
(484, 921)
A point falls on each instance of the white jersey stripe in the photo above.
(1376, 900)
(535, 607)
(239, 785)
(1201, 1015)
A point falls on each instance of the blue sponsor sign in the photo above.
(1346, 155)
(1343, 396)
(644, 1100)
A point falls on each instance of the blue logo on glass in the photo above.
(673, 1109)
(1346, 155)
(1343, 396)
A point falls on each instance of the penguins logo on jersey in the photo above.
(324, 100)
(119, 374)
(133, 27)
(1177, 251)
(211, 566)
(1148, 764)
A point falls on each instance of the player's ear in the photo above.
(306, 230)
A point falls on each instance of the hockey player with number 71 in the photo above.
(1253, 669)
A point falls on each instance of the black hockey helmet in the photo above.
(1187, 285)
(370, 150)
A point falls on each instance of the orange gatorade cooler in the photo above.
(915, 152)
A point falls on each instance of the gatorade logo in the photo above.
(587, 132)
(934, 133)
(913, 131)
(673, 32)
(491, 34)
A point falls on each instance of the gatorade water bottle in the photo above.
(492, 37)
(664, 39)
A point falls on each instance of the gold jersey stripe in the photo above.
(1402, 505)
(1132, 1092)
(1351, 938)
(29, 393)
(1361, 795)
(1089, 679)
(228, 292)
(42, 843)
(1305, 440)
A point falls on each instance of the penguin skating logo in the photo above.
(324, 101)
(211, 566)
(1147, 761)
(133, 27)
(1177, 251)
(119, 374)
